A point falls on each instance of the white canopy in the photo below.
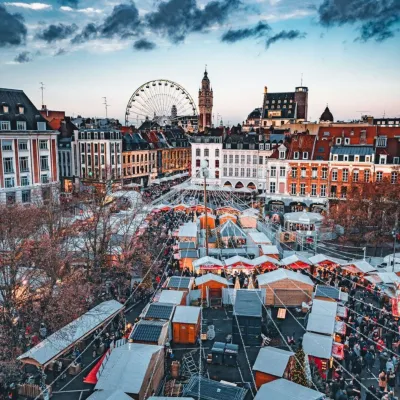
(318, 258)
(188, 230)
(303, 217)
(207, 261)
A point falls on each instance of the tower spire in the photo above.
(205, 102)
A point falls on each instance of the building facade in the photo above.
(205, 103)
(28, 151)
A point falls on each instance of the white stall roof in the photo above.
(109, 395)
(295, 258)
(361, 265)
(324, 307)
(271, 360)
(76, 330)
(211, 277)
(303, 217)
(280, 274)
(186, 314)
(259, 237)
(171, 296)
(126, 367)
(238, 259)
(283, 389)
(207, 260)
(269, 249)
(317, 345)
(385, 278)
(188, 230)
(263, 259)
(320, 323)
(318, 258)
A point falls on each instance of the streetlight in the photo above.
(394, 234)
(205, 173)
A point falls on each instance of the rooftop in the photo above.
(283, 389)
(280, 274)
(271, 360)
(159, 311)
(248, 303)
(186, 315)
(147, 331)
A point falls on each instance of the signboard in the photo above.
(274, 114)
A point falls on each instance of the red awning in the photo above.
(298, 265)
(91, 377)
(210, 266)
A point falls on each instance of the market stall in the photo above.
(208, 264)
(296, 262)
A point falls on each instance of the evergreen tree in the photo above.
(219, 244)
(298, 373)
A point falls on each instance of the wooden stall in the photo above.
(208, 263)
(184, 283)
(186, 324)
(265, 263)
(212, 283)
(175, 297)
(187, 257)
(285, 287)
(227, 217)
(296, 262)
(248, 220)
(188, 233)
(239, 263)
(227, 210)
(210, 221)
(269, 250)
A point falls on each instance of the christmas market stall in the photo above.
(188, 233)
(248, 219)
(286, 288)
(150, 332)
(208, 263)
(271, 364)
(184, 283)
(227, 210)
(265, 263)
(187, 257)
(358, 268)
(295, 262)
(181, 208)
(227, 217)
(186, 324)
(257, 238)
(238, 263)
(232, 235)
(209, 222)
(330, 293)
(324, 264)
(175, 297)
(211, 285)
(269, 250)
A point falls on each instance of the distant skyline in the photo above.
(83, 50)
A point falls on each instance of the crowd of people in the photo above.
(155, 191)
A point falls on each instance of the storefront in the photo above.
(297, 206)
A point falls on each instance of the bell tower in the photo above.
(205, 103)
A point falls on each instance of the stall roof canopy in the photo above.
(207, 261)
(171, 296)
(248, 303)
(269, 249)
(259, 237)
(320, 323)
(271, 360)
(362, 265)
(303, 217)
(109, 395)
(324, 307)
(280, 274)
(263, 259)
(60, 341)
(319, 258)
(126, 367)
(212, 390)
(230, 229)
(188, 230)
(238, 259)
(211, 277)
(316, 345)
(329, 292)
(180, 282)
(295, 258)
(186, 315)
(159, 311)
(385, 278)
(188, 253)
(283, 389)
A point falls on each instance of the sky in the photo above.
(346, 51)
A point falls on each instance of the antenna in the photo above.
(301, 81)
(106, 105)
(206, 68)
(42, 89)
(363, 112)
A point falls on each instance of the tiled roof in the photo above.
(159, 311)
(353, 150)
(147, 331)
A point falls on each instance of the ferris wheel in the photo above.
(160, 101)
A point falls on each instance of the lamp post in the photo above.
(205, 172)
(394, 234)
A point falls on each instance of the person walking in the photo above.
(382, 380)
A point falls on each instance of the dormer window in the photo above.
(382, 159)
(338, 140)
(261, 146)
(5, 109)
(347, 141)
(305, 155)
(381, 141)
(20, 109)
(296, 155)
(282, 154)
(267, 146)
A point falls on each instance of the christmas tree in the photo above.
(298, 373)
(219, 244)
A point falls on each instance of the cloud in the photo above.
(12, 29)
(60, 52)
(144, 44)
(123, 22)
(285, 35)
(70, 3)
(30, 6)
(88, 10)
(56, 32)
(23, 57)
(177, 18)
(89, 32)
(376, 18)
(233, 35)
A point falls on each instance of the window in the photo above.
(394, 177)
(323, 191)
(347, 141)
(293, 189)
(334, 175)
(379, 176)
(230, 171)
(96, 148)
(381, 141)
(23, 164)
(9, 182)
(294, 172)
(382, 159)
(248, 170)
(260, 160)
(102, 148)
(225, 159)
(23, 145)
(355, 175)
(216, 152)
(43, 145)
(296, 155)
(345, 175)
(346, 158)
(248, 159)
(44, 178)
(282, 171)
(230, 159)
(343, 193)
(324, 173)
(302, 189)
(44, 163)
(338, 140)
(41, 126)
(242, 172)
(313, 189)
(367, 175)
(254, 172)
(282, 154)
(272, 187)
(5, 125)
(6, 145)
(225, 171)
(206, 152)
(303, 172)
(8, 165)
(242, 159)
(396, 160)
(26, 196)
(236, 159)
(96, 160)
(197, 152)
(333, 191)
(216, 163)
(5, 109)
(261, 146)
(305, 155)
(273, 172)
(255, 160)
(267, 146)
(24, 180)
(236, 171)
(21, 126)
(314, 173)
(198, 163)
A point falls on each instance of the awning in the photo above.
(338, 350)
(92, 376)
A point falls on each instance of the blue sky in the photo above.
(341, 67)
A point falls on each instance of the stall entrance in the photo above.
(214, 297)
(289, 297)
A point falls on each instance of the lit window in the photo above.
(20, 109)
(5, 109)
